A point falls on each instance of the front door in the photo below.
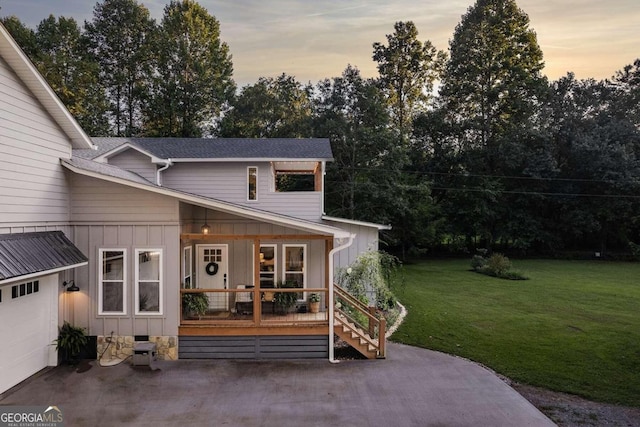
(212, 270)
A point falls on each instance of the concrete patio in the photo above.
(412, 387)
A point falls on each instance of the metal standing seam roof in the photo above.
(27, 253)
(219, 148)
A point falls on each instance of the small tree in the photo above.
(370, 275)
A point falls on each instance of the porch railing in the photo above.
(363, 327)
(239, 306)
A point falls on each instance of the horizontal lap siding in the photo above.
(33, 185)
(228, 182)
(136, 162)
(254, 347)
(96, 201)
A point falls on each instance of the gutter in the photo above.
(331, 296)
(167, 164)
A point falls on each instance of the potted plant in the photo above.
(284, 301)
(194, 304)
(71, 341)
(314, 302)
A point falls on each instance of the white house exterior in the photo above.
(125, 218)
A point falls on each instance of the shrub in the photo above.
(498, 264)
(478, 262)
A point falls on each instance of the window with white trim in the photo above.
(112, 281)
(268, 265)
(294, 266)
(148, 281)
(252, 183)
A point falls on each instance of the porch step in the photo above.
(356, 337)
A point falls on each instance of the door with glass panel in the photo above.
(213, 273)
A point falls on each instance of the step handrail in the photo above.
(372, 314)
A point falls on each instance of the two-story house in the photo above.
(138, 227)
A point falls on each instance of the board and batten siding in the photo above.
(84, 311)
(33, 185)
(136, 162)
(107, 215)
(228, 182)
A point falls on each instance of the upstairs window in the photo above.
(252, 183)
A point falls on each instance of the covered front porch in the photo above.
(261, 279)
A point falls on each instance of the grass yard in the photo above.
(573, 327)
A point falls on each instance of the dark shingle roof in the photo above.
(27, 253)
(220, 148)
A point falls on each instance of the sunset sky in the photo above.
(312, 40)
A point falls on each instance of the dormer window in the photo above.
(252, 183)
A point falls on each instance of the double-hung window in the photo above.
(148, 281)
(112, 281)
(295, 269)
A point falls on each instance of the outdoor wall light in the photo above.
(72, 286)
(205, 227)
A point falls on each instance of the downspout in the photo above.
(323, 172)
(331, 297)
(167, 164)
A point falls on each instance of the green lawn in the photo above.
(573, 327)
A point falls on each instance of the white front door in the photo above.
(212, 273)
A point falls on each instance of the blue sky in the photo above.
(312, 40)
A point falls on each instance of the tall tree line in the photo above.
(469, 148)
(123, 74)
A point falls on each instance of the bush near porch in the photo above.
(573, 327)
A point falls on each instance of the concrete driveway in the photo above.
(412, 387)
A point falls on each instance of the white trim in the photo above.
(40, 273)
(101, 251)
(305, 261)
(242, 211)
(137, 281)
(31, 78)
(102, 158)
(275, 261)
(249, 199)
(247, 159)
(189, 267)
(356, 222)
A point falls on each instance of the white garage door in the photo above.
(28, 325)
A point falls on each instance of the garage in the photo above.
(28, 325)
(30, 285)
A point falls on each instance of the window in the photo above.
(148, 296)
(23, 289)
(112, 279)
(252, 183)
(187, 262)
(294, 265)
(268, 263)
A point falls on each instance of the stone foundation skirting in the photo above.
(121, 346)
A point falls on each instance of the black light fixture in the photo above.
(205, 227)
(72, 286)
